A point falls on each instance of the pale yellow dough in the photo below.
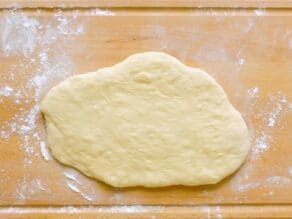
(147, 121)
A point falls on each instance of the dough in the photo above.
(147, 121)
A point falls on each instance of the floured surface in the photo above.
(249, 56)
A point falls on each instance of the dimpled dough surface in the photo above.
(147, 121)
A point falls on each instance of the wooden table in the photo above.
(246, 47)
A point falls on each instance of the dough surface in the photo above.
(147, 121)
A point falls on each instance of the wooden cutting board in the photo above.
(247, 49)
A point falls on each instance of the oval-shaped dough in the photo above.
(147, 121)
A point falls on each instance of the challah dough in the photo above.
(147, 121)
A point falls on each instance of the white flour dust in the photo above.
(132, 209)
(207, 211)
(273, 181)
(261, 145)
(101, 12)
(40, 50)
(211, 212)
(253, 92)
(290, 171)
(18, 35)
(74, 183)
(45, 151)
(218, 214)
(28, 189)
(215, 53)
(271, 116)
(70, 209)
(6, 91)
(260, 12)
(75, 188)
(280, 107)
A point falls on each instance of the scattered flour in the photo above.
(72, 175)
(39, 48)
(75, 188)
(212, 212)
(260, 12)
(76, 185)
(218, 214)
(280, 108)
(45, 151)
(30, 188)
(241, 61)
(132, 209)
(72, 210)
(261, 145)
(69, 26)
(253, 92)
(100, 12)
(214, 54)
(278, 181)
(271, 116)
(290, 171)
(18, 34)
(273, 181)
(207, 211)
(290, 43)
(6, 91)
(247, 186)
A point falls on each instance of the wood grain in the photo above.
(215, 40)
(147, 3)
(238, 212)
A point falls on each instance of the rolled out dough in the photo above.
(147, 121)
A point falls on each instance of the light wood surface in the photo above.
(242, 49)
(242, 212)
(147, 3)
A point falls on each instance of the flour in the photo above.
(214, 54)
(72, 210)
(272, 181)
(290, 171)
(30, 188)
(69, 26)
(261, 145)
(132, 209)
(72, 176)
(260, 12)
(274, 115)
(271, 117)
(207, 211)
(74, 183)
(6, 91)
(74, 188)
(218, 214)
(45, 151)
(253, 92)
(100, 12)
(40, 48)
(280, 108)
(290, 43)
(18, 34)
(247, 186)
(278, 181)
(211, 212)
(241, 61)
